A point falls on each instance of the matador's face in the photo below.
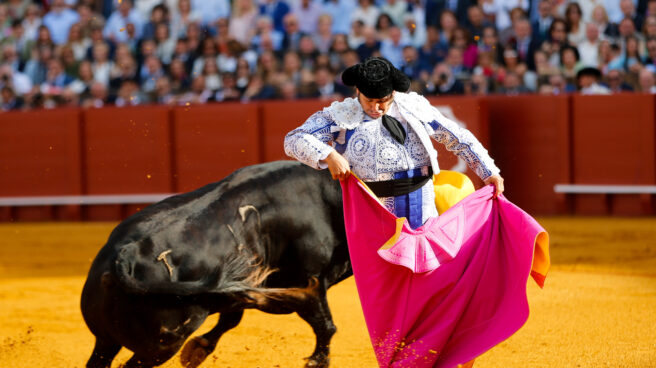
(375, 107)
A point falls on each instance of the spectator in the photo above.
(448, 23)
(9, 100)
(616, 83)
(478, 85)
(150, 71)
(588, 82)
(443, 82)
(630, 61)
(490, 43)
(307, 14)
(366, 12)
(243, 74)
(117, 23)
(528, 79)
(183, 53)
(307, 52)
(128, 94)
(77, 42)
(559, 85)
(159, 14)
(512, 85)
(242, 22)
(454, 59)
(264, 30)
(17, 39)
(540, 27)
(627, 29)
(19, 82)
(338, 11)
(650, 59)
(392, 48)
(383, 25)
(371, 46)
(411, 32)
(433, 51)
(557, 39)
(600, 19)
(337, 50)
(356, 36)
(457, 8)
(292, 36)
(291, 69)
(258, 89)
(211, 74)
(411, 65)
(59, 19)
(275, 10)
(523, 42)
(32, 21)
(327, 89)
(476, 21)
(162, 95)
(628, 9)
(36, 66)
(198, 93)
(575, 25)
(614, 10)
(10, 57)
(646, 81)
(229, 90)
(82, 84)
(396, 10)
(649, 28)
(101, 64)
(89, 19)
(97, 98)
(501, 10)
(68, 60)
(589, 49)
(181, 19)
(229, 53)
(16, 8)
(569, 63)
(323, 38)
(165, 45)
(211, 10)
(460, 38)
(508, 33)
(206, 50)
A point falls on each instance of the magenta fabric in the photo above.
(445, 292)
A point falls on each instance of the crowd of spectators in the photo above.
(93, 53)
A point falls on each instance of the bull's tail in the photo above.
(239, 278)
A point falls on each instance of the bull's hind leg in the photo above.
(197, 349)
(317, 313)
(103, 353)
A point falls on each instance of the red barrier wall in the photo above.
(614, 142)
(126, 150)
(278, 118)
(211, 141)
(530, 144)
(40, 155)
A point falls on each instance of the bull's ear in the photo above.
(245, 210)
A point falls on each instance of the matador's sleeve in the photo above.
(455, 138)
(310, 143)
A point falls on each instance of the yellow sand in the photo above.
(598, 308)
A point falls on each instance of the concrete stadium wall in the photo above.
(537, 141)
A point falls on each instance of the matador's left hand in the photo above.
(497, 181)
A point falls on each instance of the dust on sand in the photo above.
(598, 308)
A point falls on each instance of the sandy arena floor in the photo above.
(598, 308)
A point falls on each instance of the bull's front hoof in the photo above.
(195, 352)
(317, 362)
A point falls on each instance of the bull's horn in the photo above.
(243, 211)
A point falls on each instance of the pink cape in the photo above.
(444, 293)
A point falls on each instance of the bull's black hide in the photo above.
(269, 236)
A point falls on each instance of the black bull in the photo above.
(269, 237)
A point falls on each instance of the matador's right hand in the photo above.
(338, 166)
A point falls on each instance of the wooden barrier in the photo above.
(530, 143)
(40, 154)
(614, 142)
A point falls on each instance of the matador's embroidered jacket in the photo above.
(375, 156)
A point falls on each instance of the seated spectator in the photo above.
(649, 28)
(229, 53)
(242, 22)
(605, 27)
(9, 100)
(165, 45)
(243, 74)
(307, 52)
(32, 21)
(448, 23)
(508, 33)
(392, 48)
(478, 85)
(461, 39)
(10, 57)
(569, 63)
(383, 25)
(543, 69)
(455, 60)
(183, 53)
(647, 84)
(338, 11)
(96, 37)
(307, 13)
(512, 85)
(211, 74)
(396, 10)
(59, 19)
(629, 11)
(443, 82)
(162, 94)
(287, 91)
(490, 43)
(180, 81)
(323, 38)
(101, 64)
(264, 29)
(575, 25)
(150, 71)
(528, 78)
(211, 10)
(159, 14)
(523, 42)
(97, 96)
(540, 26)
(650, 59)
(476, 21)
(258, 89)
(589, 49)
(588, 82)
(19, 82)
(630, 61)
(615, 81)
(276, 11)
(559, 85)
(43, 40)
(77, 42)
(129, 94)
(326, 87)
(117, 23)
(16, 38)
(69, 63)
(82, 84)
(89, 19)
(337, 49)
(181, 19)
(124, 69)
(371, 46)
(557, 39)
(198, 93)
(412, 33)
(37, 66)
(367, 12)
(292, 35)
(412, 65)
(356, 35)
(229, 90)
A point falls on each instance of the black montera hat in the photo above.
(376, 78)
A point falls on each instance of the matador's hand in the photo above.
(497, 181)
(338, 166)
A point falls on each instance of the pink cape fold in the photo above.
(444, 293)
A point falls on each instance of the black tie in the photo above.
(395, 128)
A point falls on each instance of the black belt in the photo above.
(398, 187)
